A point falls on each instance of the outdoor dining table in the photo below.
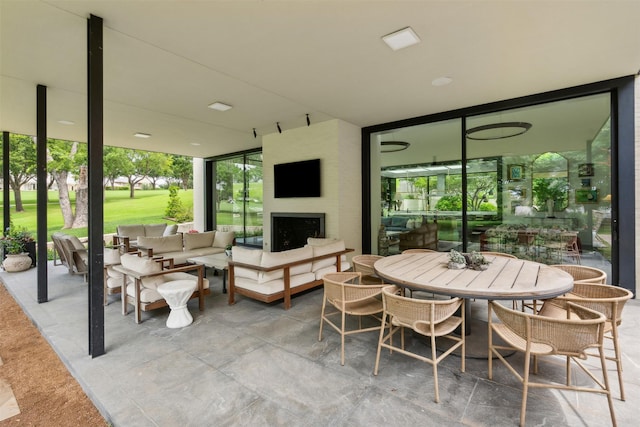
(504, 279)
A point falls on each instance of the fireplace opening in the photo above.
(291, 230)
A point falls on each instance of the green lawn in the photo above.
(147, 207)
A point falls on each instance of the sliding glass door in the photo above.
(238, 197)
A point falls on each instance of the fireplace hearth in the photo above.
(291, 230)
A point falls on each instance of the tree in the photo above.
(116, 163)
(158, 167)
(182, 170)
(22, 165)
(138, 168)
(61, 160)
(225, 170)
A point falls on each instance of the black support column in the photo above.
(95, 171)
(6, 212)
(41, 194)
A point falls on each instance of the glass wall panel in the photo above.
(552, 181)
(416, 200)
(239, 197)
(537, 183)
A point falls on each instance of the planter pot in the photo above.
(227, 252)
(17, 262)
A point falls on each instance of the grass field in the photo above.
(147, 207)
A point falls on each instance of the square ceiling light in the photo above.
(142, 135)
(220, 106)
(401, 39)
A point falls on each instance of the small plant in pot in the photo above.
(227, 250)
(14, 247)
(457, 261)
(478, 261)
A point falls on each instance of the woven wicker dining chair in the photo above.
(344, 292)
(364, 265)
(583, 274)
(606, 299)
(431, 318)
(536, 335)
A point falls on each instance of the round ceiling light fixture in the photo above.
(392, 146)
(498, 130)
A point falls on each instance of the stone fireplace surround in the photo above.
(290, 230)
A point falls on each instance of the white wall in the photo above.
(337, 144)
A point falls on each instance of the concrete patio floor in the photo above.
(254, 364)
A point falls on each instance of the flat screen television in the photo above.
(297, 179)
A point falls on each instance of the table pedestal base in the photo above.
(177, 294)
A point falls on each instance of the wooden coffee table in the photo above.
(219, 262)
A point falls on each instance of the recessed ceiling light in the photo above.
(142, 135)
(441, 81)
(66, 122)
(401, 39)
(220, 106)
(195, 143)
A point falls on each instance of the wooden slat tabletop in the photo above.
(505, 279)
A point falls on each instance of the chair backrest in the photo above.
(56, 238)
(569, 337)
(343, 288)
(410, 311)
(364, 263)
(583, 274)
(415, 251)
(606, 299)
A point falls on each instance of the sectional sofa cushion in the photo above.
(170, 229)
(223, 238)
(131, 231)
(334, 246)
(399, 221)
(198, 240)
(246, 256)
(271, 259)
(154, 230)
(144, 265)
(161, 245)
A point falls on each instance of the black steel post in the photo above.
(95, 191)
(6, 203)
(41, 194)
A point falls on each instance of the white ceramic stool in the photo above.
(177, 293)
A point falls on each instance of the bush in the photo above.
(449, 203)
(174, 208)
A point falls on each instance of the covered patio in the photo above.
(257, 364)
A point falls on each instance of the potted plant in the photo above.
(227, 250)
(14, 247)
(478, 261)
(457, 261)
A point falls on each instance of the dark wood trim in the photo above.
(6, 212)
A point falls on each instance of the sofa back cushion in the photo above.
(170, 230)
(246, 256)
(143, 266)
(111, 256)
(223, 238)
(161, 245)
(198, 240)
(399, 221)
(131, 231)
(334, 246)
(271, 259)
(154, 230)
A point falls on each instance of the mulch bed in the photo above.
(46, 392)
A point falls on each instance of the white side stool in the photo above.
(177, 293)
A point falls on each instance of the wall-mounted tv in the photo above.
(297, 179)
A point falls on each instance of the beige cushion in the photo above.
(154, 230)
(161, 245)
(111, 256)
(319, 241)
(223, 238)
(336, 246)
(170, 230)
(246, 256)
(143, 266)
(270, 259)
(198, 240)
(131, 231)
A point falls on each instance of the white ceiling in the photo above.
(276, 61)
